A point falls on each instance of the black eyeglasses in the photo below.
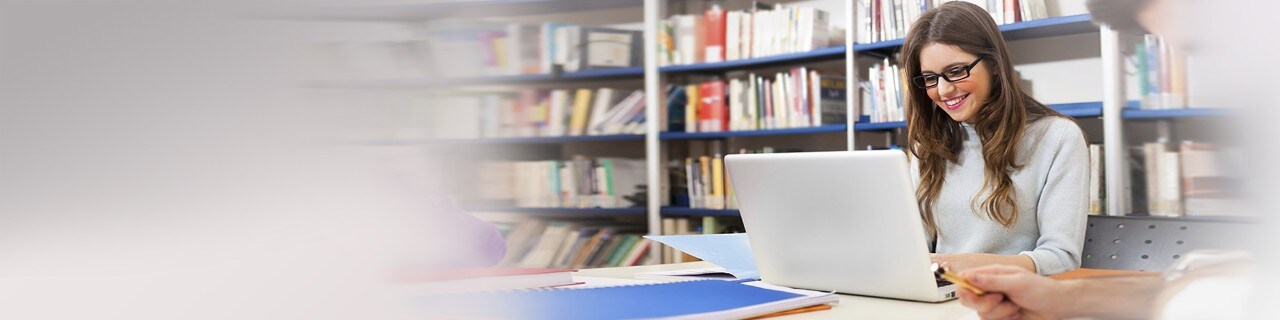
(954, 74)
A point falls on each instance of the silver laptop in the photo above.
(836, 221)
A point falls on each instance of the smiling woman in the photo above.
(1003, 179)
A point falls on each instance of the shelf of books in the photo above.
(752, 133)
(452, 53)
(551, 211)
(830, 53)
(1155, 114)
(1184, 172)
(1038, 28)
(409, 12)
(543, 243)
(549, 140)
(796, 101)
(865, 124)
(1075, 110)
(691, 212)
(634, 73)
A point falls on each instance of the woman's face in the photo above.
(961, 99)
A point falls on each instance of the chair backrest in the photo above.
(1154, 243)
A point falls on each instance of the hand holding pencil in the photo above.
(1008, 292)
(946, 274)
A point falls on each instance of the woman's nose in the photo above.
(945, 88)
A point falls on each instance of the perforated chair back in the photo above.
(1151, 244)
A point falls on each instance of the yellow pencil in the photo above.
(946, 274)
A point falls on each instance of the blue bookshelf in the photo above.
(1079, 109)
(547, 140)
(636, 73)
(418, 83)
(751, 133)
(865, 124)
(1075, 110)
(1056, 26)
(687, 212)
(1042, 28)
(636, 211)
(499, 141)
(1049, 27)
(829, 53)
(418, 11)
(632, 72)
(1140, 114)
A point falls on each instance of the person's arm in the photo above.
(1062, 211)
(966, 261)
(1015, 291)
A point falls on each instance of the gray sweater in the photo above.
(1051, 189)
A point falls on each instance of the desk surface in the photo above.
(850, 306)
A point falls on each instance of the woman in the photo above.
(1002, 178)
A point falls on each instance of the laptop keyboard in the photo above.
(942, 283)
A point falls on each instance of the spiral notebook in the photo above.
(701, 299)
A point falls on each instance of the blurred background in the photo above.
(280, 157)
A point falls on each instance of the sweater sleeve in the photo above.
(1062, 211)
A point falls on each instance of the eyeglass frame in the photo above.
(968, 71)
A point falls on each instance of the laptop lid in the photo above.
(836, 221)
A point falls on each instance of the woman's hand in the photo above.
(965, 261)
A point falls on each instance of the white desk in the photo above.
(850, 306)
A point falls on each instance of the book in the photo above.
(692, 104)
(1162, 74)
(715, 36)
(672, 300)
(1207, 187)
(1097, 185)
(718, 35)
(606, 48)
(830, 106)
(884, 20)
(581, 112)
(711, 107)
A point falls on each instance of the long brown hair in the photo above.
(935, 139)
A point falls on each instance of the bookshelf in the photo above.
(638, 211)
(410, 12)
(1075, 110)
(550, 140)
(1112, 108)
(829, 53)
(1041, 28)
(523, 79)
(690, 212)
(1140, 114)
(752, 133)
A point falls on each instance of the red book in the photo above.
(712, 109)
(715, 28)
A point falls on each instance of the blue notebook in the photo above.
(702, 299)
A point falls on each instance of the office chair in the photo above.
(1154, 243)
